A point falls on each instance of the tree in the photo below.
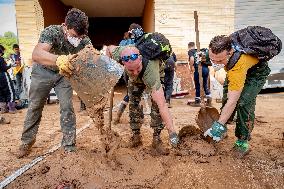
(8, 40)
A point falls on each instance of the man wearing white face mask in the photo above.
(50, 62)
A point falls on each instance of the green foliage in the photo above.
(8, 40)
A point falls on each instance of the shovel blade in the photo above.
(205, 117)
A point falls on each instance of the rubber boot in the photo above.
(25, 149)
(135, 140)
(3, 107)
(120, 111)
(12, 107)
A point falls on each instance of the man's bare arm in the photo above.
(233, 97)
(42, 55)
(158, 97)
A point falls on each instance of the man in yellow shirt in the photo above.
(246, 76)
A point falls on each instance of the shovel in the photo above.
(206, 115)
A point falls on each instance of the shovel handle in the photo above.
(110, 107)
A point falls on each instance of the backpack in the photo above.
(154, 46)
(257, 41)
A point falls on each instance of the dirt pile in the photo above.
(197, 164)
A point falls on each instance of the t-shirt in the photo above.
(152, 74)
(191, 52)
(54, 36)
(237, 75)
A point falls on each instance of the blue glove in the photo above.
(174, 140)
(216, 131)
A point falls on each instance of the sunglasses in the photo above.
(130, 57)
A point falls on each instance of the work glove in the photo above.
(217, 131)
(174, 140)
(64, 65)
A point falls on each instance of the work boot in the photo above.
(196, 102)
(135, 140)
(4, 120)
(12, 107)
(69, 148)
(3, 107)
(157, 146)
(120, 111)
(241, 149)
(25, 149)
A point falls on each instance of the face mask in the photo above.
(74, 41)
(217, 66)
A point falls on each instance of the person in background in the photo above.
(170, 66)
(17, 70)
(7, 92)
(194, 59)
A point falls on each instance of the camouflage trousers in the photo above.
(42, 81)
(256, 78)
(136, 115)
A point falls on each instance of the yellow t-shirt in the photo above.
(237, 75)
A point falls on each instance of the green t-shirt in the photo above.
(152, 75)
(54, 36)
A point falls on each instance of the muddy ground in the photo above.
(197, 165)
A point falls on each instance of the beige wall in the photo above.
(175, 19)
(29, 20)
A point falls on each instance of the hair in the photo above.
(134, 26)
(15, 46)
(77, 20)
(220, 43)
(191, 44)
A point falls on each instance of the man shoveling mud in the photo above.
(149, 80)
(247, 71)
(51, 61)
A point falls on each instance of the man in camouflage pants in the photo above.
(148, 80)
(50, 62)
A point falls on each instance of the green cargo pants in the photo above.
(256, 78)
(136, 115)
(42, 81)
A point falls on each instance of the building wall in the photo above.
(29, 18)
(54, 11)
(175, 19)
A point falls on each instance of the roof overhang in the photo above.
(109, 8)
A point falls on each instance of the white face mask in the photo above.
(74, 41)
(217, 66)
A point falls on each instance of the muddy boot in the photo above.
(25, 149)
(12, 107)
(3, 108)
(135, 140)
(241, 149)
(4, 120)
(157, 146)
(69, 148)
(120, 111)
